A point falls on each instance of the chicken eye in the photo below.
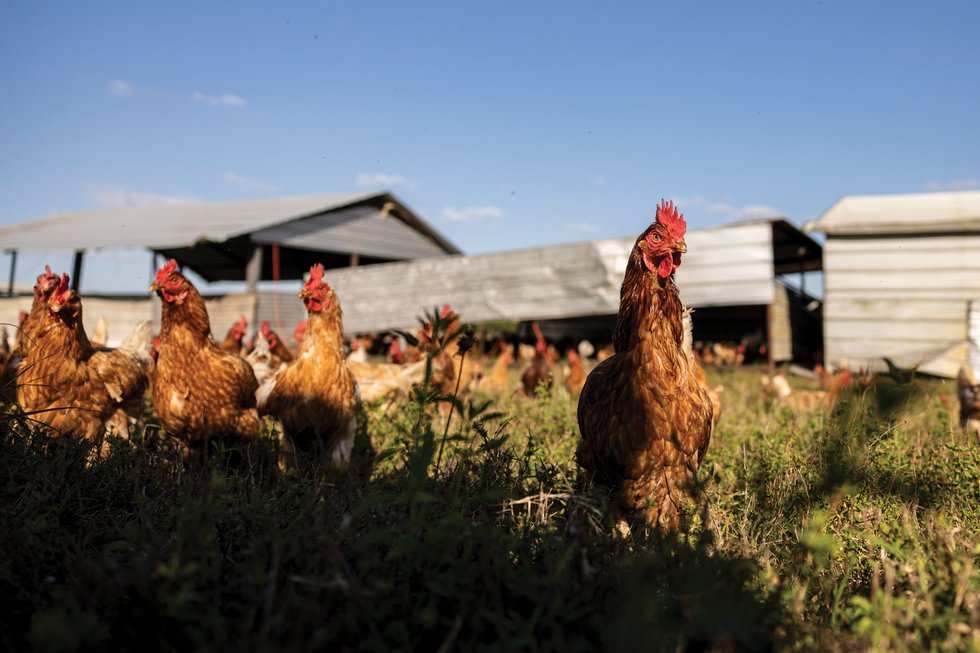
(655, 236)
(173, 278)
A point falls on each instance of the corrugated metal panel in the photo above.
(175, 226)
(904, 298)
(551, 282)
(363, 230)
(909, 213)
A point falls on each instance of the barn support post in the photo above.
(13, 272)
(770, 362)
(355, 259)
(253, 274)
(253, 269)
(76, 269)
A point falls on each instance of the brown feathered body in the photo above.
(644, 415)
(74, 387)
(316, 396)
(386, 380)
(498, 380)
(575, 380)
(199, 391)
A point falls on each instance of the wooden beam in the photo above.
(13, 271)
(253, 269)
(76, 269)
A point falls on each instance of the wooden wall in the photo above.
(903, 297)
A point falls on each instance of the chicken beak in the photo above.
(680, 247)
(154, 287)
(55, 307)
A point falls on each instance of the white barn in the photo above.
(900, 273)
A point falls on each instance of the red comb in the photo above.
(242, 322)
(671, 219)
(316, 273)
(169, 266)
(264, 329)
(60, 293)
(47, 277)
(446, 311)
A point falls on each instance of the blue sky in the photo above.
(504, 124)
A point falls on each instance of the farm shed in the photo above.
(250, 240)
(731, 275)
(900, 273)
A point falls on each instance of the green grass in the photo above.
(854, 531)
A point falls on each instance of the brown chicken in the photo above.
(43, 287)
(443, 379)
(28, 325)
(73, 387)
(968, 391)
(808, 401)
(235, 336)
(575, 380)
(277, 348)
(200, 392)
(316, 396)
(539, 371)
(644, 415)
(498, 380)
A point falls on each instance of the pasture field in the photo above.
(854, 531)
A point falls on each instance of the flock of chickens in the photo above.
(645, 412)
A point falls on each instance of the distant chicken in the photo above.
(73, 387)
(299, 332)
(807, 401)
(316, 396)
(497, 381)
(233, 341)
(200, 391)
(443, 380)
(389, 381)
(539, 371)
(575, 380)
(280, 353)
(968, 391)
(644, 415)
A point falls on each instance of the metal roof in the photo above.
(917, 213)
(172, 227)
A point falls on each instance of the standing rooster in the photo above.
(200, 392)
(77, 389)
(35, 319)
(316, 396)
(644, 415)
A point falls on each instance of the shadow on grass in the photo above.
(846, 457)
(141, 550)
